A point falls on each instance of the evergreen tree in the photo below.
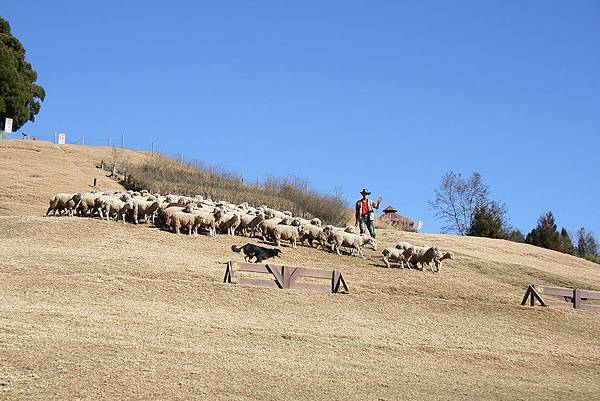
(587, 246)
(489, 221)
(515, 235)
(566, 242)
(546, 233)
(20, 96)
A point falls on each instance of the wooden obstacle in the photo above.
(285, 277)
(573, 296)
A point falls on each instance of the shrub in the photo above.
(166, 175)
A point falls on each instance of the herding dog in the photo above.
(259, 252)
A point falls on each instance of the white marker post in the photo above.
(62, 139)
(8, 123)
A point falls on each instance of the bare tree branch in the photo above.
(456, 199)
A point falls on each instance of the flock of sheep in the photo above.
(196, 214)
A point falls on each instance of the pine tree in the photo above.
(587, 246)
(566, 242)
(488, 221)
(515, 235)
(546, 233)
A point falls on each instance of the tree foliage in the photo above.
(515, 235)
(457, 199)
(566, 244)
(587, 246)
(489, 221)
(546, 233)
(20, 96)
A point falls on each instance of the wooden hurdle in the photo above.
(573, 296)
(285, 277)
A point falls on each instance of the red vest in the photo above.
(364, 207)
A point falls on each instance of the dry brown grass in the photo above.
(101, 310)
(166, 175)
(33, 171)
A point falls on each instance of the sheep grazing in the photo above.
(111, 205)
(310, 233)
(352, 241)
(403, 245)
(298, 221)
(393, 255)
(245, 222)
(232, 224)
(205, 220)
(190, 214)
(254, 224)
(422, 255)
(286, 221)
(267, 226)
(165, 214)
(88, 200)
(185, 219)
(66, 202)
(144, 209)
(288, 233)
(438, 261)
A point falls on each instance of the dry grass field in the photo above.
(91, 309)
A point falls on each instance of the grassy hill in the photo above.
(94, 309)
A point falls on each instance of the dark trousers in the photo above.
(365, 224)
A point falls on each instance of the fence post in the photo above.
(576, 298)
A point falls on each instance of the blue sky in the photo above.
(388, 95)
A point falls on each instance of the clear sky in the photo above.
(389, 95)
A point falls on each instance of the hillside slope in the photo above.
(33, 171)
(94, 309)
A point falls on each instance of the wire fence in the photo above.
(117, 141)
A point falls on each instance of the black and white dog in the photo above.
(258, 252)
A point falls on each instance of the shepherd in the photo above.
(365, 214)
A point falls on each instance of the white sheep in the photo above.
(64, 201)
(232, 224)
(111, 205)
(423, 256)
(393, 255)
(88, 200)
(245, 222)
(181, 218)
(438, 260)
(207, 221)
(349, 240)
(143, 209)
(267, 225)
(288, 233)
(311, 232)
(253, 226)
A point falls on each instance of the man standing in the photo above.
(365, 215)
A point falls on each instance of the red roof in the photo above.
(395, 218)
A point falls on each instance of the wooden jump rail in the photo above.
(574, 296)
(285, 277)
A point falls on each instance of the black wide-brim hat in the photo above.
(365, 191)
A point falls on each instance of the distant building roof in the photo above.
(391, 216)
(390, 209)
